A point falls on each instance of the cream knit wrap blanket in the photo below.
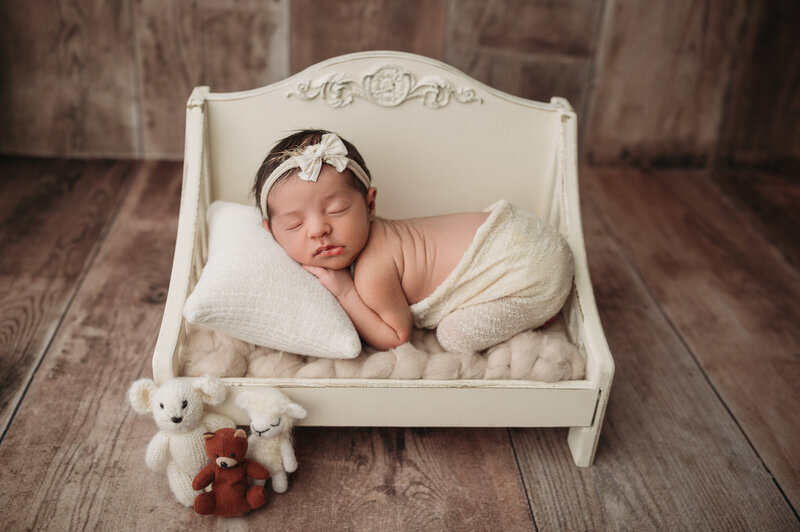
(513, 255)
(543, 355)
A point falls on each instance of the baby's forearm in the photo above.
(385, 328)
(371, 326)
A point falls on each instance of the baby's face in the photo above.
(324, 223)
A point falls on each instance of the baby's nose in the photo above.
(318, 229)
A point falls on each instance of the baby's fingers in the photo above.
(315, 270)
(323, 274)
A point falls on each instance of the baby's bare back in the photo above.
(425, 250)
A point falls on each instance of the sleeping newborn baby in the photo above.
(479, 278)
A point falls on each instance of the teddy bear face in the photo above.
(271, 412)
(226, 447)
(177, 406)
(267, 425)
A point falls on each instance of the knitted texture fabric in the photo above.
(178, 408)
(227, 474)
(251, 289)
(515, 275)
(544, 355)
(272, 416)
(267, 451)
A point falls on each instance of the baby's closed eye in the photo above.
(294, 224)
(337, 209)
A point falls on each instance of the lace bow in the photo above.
(330, 150)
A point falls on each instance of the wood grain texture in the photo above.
(348, 479)
(322, 29)
(534, 49)
(225, 44)
(529, 76)
(673, 454)
(681, 83)
(402, 479)
(661, 78)
(762, 119)
(770, 203)
(52, 218)
(671, 457)
(524, 26)
(67, 79)
(726, 290)
(352, 479)
(245, 44)
(68, 440)
(170, 54)
(77, 426)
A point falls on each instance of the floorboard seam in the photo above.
(522, 480)
(78, 284)
(646, 287)
(138, 104)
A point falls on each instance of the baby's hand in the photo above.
(338, 282)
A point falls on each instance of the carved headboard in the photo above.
(434, 139)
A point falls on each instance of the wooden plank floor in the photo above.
(697, 282)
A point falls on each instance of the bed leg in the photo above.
(582, 441)
(582, 444)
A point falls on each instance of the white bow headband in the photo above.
(330, 150)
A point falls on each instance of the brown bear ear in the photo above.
(240, 434)
(208, 435)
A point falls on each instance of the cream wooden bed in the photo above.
(436, 141)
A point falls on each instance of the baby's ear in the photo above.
(372, 193)
(266, 226)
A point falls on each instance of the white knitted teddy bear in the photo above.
(179, 411)
(272, 416)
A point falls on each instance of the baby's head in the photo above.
(315, 195)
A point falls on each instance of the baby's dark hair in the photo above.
(291, 146)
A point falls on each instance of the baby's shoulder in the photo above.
(381, 248)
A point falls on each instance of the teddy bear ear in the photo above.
(140, 394)
(296, 411)
(208, 435)
(240, 434)
(243, 400)
(210, 389)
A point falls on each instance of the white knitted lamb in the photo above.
(272, 416)
(178, 407)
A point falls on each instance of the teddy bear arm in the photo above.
(204, 477)
(255, 470)
(287, 454)
(214, 422)
(157, 455)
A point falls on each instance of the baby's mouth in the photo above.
(329, 251)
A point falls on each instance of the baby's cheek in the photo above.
(295, 250)
(363, 237)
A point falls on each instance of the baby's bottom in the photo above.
(478, 327)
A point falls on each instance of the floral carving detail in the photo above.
(337, 91)
(389, 86)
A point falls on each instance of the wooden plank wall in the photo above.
(678, 83)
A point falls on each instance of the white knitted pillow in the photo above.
(252, 290)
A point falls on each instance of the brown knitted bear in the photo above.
(227, 473)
